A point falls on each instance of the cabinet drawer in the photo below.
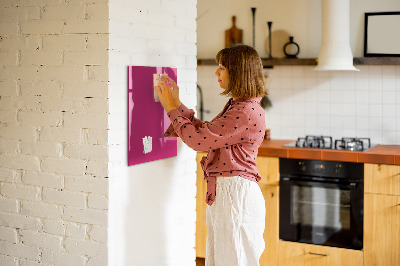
(382, 179)
(299, 254)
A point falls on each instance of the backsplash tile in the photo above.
(363, 103)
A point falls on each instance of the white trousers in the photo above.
(235, 223)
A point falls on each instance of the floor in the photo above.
(200, 262)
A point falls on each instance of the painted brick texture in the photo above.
(63, 116)
(53, 132)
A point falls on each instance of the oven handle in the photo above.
(310, 182)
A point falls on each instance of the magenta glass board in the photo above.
(147, 120)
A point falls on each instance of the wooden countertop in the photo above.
(380, 154)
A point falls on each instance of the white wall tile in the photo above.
(323, 121)
(389, 136)
(362, 97)
(389, 124)
(366, 101)
(310, 108)
(349, 122)
(349, 96)
(323, 95)
(375, 110)
(375, 97)
(389, 97)
(348, 132)
(389, 110)
(336, 96)
(336, 121)
(362, 123)
(336, 108)
(348, 109)
(323, 109)
(363, 133)
(376, 136)
(362, 110)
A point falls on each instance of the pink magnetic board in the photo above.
(147, 120)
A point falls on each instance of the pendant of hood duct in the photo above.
(335, 52)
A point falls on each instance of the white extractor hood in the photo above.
(335, 52)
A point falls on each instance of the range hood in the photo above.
(335, 52)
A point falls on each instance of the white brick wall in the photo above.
(60, 138)
(150, 201)
(53, 132)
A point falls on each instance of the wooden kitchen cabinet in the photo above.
(201, 205)
(382, 179)
(382, 215)
(269, 170)
(300, 254)
(271, 232)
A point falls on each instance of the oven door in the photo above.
(321, 212)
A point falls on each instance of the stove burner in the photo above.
(353, 144)
(324, 142)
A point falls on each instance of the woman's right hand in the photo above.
(175, 91)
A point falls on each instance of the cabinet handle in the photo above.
(318, 254)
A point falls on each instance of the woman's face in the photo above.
(223, 77)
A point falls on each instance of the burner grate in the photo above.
(326, 142)
(353, 144)
(322, 142)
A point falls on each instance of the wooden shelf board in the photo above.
(377, 61)
(312, 61)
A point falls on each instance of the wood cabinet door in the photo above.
(268, 167)
(382, 179)
(381, 230)
(271, 232)
(201, 205)
(299, 254)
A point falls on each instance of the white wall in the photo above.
(53, 133)
(337, 103)
(152, 205)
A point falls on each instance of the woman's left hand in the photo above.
(165, 96)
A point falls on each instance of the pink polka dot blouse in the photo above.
(232, 139)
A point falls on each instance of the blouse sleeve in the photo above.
(187, 113)
(231, 128)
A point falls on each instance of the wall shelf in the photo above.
(269, 63)
(377, 61)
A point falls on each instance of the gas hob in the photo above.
(327, 142)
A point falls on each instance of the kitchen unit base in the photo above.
(382, 215)
(299, 254)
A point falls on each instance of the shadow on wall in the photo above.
(149, 212)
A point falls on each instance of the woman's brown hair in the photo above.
(245, 69)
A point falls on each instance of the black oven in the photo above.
(321, 202)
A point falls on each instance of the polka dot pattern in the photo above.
(232, 139)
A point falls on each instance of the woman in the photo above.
(236, 212)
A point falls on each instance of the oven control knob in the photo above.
(338, 168)
(302, 166)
